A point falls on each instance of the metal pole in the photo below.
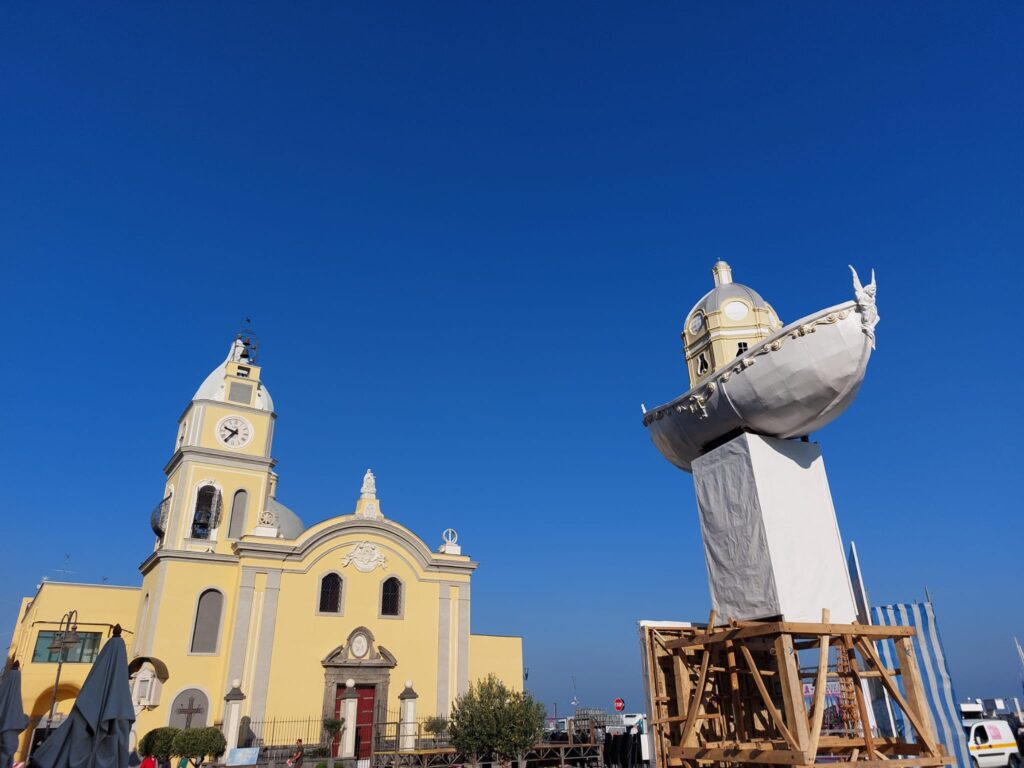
(66, 621)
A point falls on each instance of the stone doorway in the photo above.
(361, 660)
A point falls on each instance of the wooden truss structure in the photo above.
(735, 694)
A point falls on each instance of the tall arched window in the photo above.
(237, 525)
(330, 593)
(207, 627)
(391, 597)
(207, 513)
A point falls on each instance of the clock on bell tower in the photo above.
(220, 479)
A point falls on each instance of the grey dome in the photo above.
(717, 297)
(288, 523)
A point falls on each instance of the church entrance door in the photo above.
(364, 720)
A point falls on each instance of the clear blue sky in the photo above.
(468, 235)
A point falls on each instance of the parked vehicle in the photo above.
(992, 744)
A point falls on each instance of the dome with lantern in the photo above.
(748, 373)
(727, 322)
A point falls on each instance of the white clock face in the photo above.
(234, 432)
(696, 323)
(359, 646)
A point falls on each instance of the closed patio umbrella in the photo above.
(95, 735)
(12, 716)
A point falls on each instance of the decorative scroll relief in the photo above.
(365, 557)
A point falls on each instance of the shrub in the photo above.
(435, 725)
(333, 725)
(198, 743)
(158, 743)
(490, 721)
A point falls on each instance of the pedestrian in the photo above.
(297, 755)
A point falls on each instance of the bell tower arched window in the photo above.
(206, 631)
(207, 514)
(238, 505)
(330, 593)
(391, 597)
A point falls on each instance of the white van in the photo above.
(992, 744)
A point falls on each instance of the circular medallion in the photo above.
(736, 310)
(360, 645)
(234, 431)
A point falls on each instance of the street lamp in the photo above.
(65, 637)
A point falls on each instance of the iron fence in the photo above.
(276, 737)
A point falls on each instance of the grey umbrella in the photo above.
(12, 716)
(95, 735)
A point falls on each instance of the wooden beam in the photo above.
(768, 703)
(769, 756)
(820, 684)
(914, 685)
(792, 691)
(913, 712)
(759, 629)
(696, 699)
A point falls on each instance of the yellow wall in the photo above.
(500, 655)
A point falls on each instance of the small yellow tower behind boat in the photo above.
(729, 320)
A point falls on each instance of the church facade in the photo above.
(242, 602)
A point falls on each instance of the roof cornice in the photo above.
(313, 538)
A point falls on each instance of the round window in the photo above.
(736, 310)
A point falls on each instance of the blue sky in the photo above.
(468, 235)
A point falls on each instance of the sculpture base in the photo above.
(771, 539)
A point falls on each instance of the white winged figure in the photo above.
(866, 296)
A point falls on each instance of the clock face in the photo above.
(234, 432)
(696, 323)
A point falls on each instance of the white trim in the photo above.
(220, 621)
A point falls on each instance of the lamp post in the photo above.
(65, 637)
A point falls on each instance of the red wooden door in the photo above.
(364, 721)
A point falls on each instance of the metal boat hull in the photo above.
(792, 384)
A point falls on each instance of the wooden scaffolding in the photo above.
(736, 694)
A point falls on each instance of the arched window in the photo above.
(207, 627)
(237, 525)
(330, 593)
(391, 597)
(207, 513)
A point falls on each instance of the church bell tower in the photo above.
(220, 479)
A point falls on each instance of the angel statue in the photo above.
(866, 296)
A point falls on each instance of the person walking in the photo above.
(297, 755)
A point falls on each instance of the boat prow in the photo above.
(794, 383)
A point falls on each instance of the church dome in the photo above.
(289, 524)
(725, 291)
(214, 387)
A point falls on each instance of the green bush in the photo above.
(158, 743)
(198, 743)
(490, 721)
(435, 725)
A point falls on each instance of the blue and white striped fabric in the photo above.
(931, 658)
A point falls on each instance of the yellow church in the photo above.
(247, 616)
